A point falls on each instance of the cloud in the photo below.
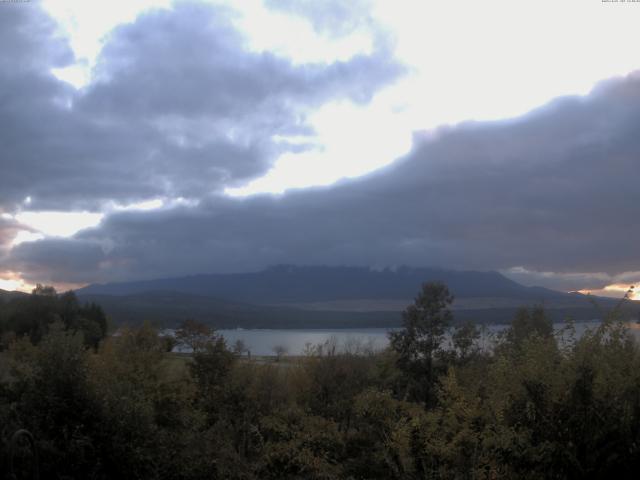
(30, 41)
(58, 262)
(553, 191)
(178, 107)
(8, 230)
(563, 281)
(332, 17)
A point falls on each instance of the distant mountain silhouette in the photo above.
(292, 284)
(6, 295)
(287, 296)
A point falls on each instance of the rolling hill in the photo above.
(6, 295)
(291, 284)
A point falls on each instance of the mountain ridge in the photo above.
(288, 296)
(298, 284)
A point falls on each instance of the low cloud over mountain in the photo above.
(181, 109)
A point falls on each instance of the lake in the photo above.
(263, 341)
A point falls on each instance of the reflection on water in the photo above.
(263, 341)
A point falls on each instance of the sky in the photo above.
(157, 138)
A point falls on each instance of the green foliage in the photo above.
(50, 395)
(386, 429)
(194, 335)
(419, 342)
(33, 315)
(210, 369)
(299, 446)
(465, 341)
(526, 323)
(330, 379)
(540, 405)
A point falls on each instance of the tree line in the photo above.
(540, 404)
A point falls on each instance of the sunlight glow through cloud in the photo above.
(466, 61)
(272, 31)
(357, 152)
(10, 284)
(59, 224)
(616, 290)
(26, 236)
(147, 205)
(11, 281)
(66, 224)
(87, 24)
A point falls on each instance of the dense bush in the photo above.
(32, 315)
(540, 404)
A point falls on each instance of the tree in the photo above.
(280, 351)
(44, 290)
(527, 323)
(55, 402)
(93, 322)
(194, 335)
(210, 368)
(417, 344)
(465, 338)
(240, 347)
(32, 315)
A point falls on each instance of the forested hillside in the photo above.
(539, 405)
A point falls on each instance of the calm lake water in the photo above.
(263, 341)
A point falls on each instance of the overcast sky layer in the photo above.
(154, 148)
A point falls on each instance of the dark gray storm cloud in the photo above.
(29, 42)
(179, 107)
(8, 230)
(553, 191)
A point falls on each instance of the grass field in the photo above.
(178, 362)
